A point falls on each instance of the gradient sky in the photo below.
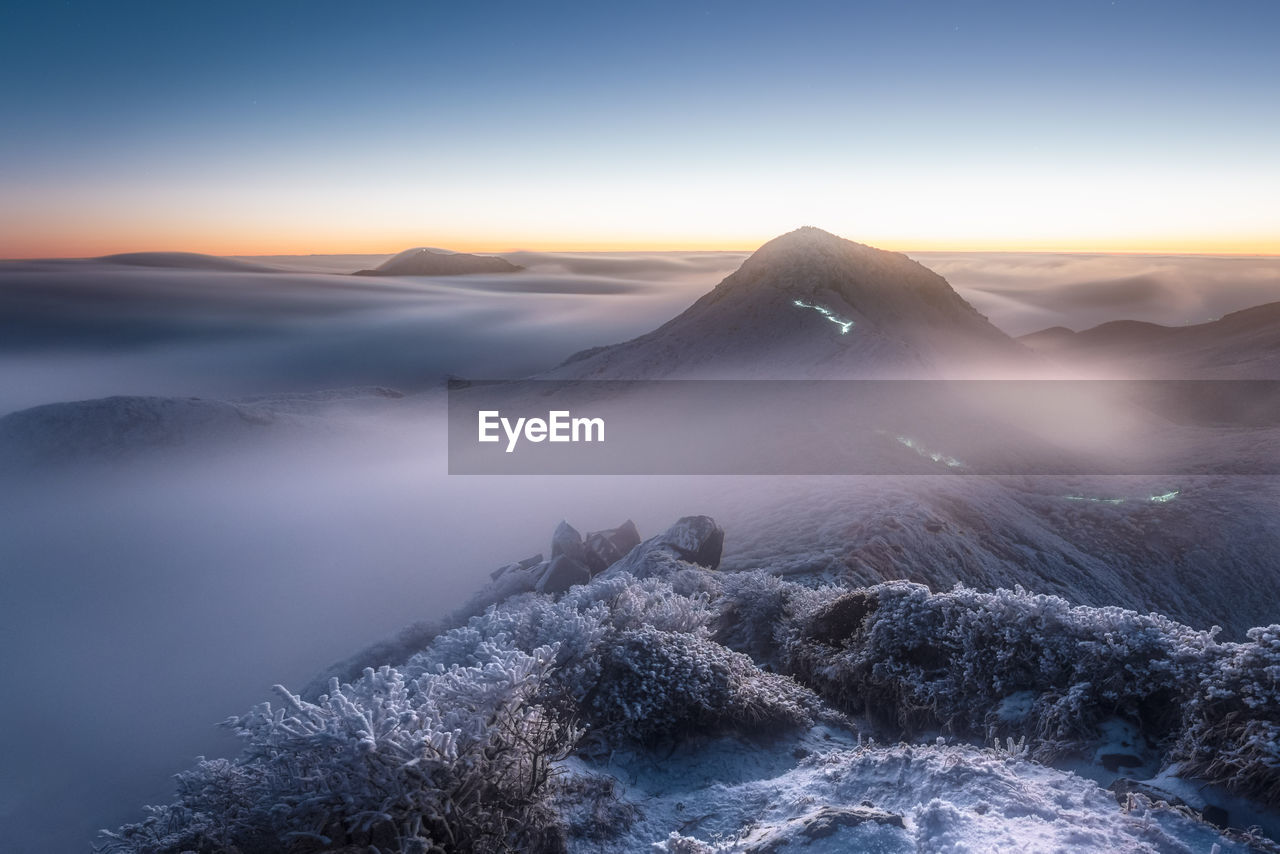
(297, 127)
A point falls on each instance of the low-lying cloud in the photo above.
(1026, 292)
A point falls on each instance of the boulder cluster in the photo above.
(576, 559)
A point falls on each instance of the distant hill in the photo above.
(1241, 345)
(431, 262)
(123, 427)
(186, 261)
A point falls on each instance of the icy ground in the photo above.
(820, 793)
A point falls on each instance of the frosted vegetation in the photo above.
(502, 730)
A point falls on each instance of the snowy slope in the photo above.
(1207, 555)
(820, 795)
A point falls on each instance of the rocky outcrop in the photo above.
(693, 539)
(562, 573)
(576, 559)
(568, 542)
(602, 549)
(526, 564)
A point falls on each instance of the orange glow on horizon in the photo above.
(299, 246)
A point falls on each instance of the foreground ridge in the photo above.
(546, 722)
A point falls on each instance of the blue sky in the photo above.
(316, 127)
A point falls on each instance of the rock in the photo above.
(826, 822)
(527, 563)
(697, 539)
(693, 539)
(568, 542)
(605, 548)
(562, 573)
(508, 581)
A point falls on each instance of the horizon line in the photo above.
(603, 247)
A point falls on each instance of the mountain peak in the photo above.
(813, 267)
(810, 242)
(809, 303)
(805, 235)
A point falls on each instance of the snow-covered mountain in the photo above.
(809, 304)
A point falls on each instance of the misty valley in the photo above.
(1015, 587)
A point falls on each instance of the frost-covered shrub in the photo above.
(654, 602)
(645, 562)
(1232, 733)
(750, 610)
(579, 624)
(1011, 663)
(394, 651)
(756, 612)
(459, 759)
(915, 660)
(695, 580)
(658, 685)
(527, 622)
(360, 739)
(634, 658)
